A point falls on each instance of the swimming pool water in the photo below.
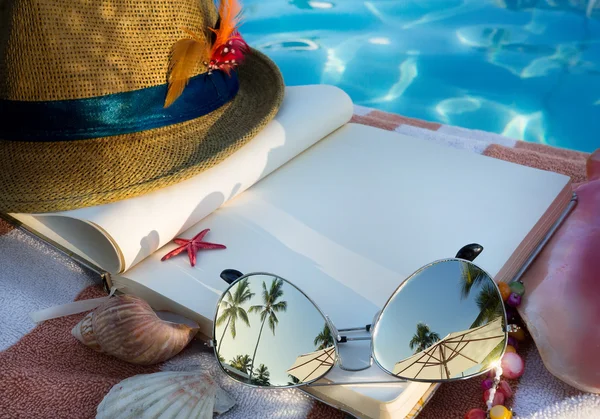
(528, 69)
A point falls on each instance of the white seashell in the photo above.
(165, 395)
(127, 328)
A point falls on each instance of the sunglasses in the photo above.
(445, 322)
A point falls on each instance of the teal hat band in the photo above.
(115, 114)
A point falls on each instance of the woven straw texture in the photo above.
(57, 49)
(71, 49)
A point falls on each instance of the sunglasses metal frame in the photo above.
(468, 252)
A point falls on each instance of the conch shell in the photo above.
(127, 328)
(165, 395)
(561, 306)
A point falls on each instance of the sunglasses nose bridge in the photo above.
(349, 368)
(342, 339)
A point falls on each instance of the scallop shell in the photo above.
(165, 395)
(127, 328)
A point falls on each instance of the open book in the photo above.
(344, 211)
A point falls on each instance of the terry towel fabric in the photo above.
(45, 373)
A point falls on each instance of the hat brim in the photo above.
(38, 177)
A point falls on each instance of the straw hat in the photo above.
(83, 86)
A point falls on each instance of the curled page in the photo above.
(118, 235)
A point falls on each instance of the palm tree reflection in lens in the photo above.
(268, 309)
(423, 338)
(241, 363)
(324, 339)
(489, 304)
(262, 376)
(470, 275)
(232, 309)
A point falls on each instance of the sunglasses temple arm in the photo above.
(366, 328)
(344, 339)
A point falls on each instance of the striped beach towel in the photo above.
(45, 373)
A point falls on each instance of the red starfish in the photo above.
(192, 246)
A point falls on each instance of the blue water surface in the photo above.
(528, 69)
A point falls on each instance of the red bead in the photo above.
(476, 414)
(498, 397)
(505, 389)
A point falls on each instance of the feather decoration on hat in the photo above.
(226, 52)
(185, 56)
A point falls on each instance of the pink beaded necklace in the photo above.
(496, 390)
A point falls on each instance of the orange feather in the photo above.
(229, 11)
(185, 56)
(187, 53)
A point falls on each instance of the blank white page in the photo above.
(351, 217)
